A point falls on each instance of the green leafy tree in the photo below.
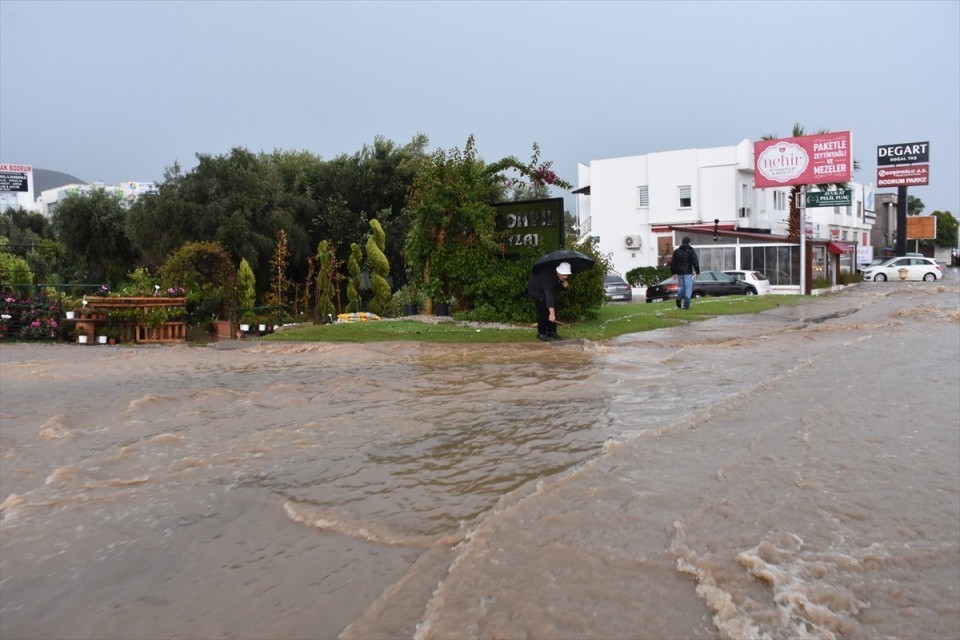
(350, 190)
(206, 272)
(946, 229)
(914, 206)
(30, 235)
(452, 246)
(246, 285)
(91, 228)
(326, 280)
(354, 280)
(14, 270)
(380, 268)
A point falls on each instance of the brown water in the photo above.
(792, 474)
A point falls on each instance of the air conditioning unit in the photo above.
(631, 242)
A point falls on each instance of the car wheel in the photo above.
(750, 292)
(880, 278)
(697, 294)
(929, 277)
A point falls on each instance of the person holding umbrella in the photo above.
(543, 286)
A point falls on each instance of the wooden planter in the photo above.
(94, 316)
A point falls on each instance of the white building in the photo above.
(640, 206)
(126, 191)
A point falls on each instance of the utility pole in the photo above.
(901, 221)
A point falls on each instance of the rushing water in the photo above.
(791, 474)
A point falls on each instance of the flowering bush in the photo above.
(175, 292)
(40, 329)
(33, 318)
(104, 290)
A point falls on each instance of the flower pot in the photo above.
(101, 339)
(410, 309)
(903, 273)
(70, 315)
(441, 309)
(244, 327)
(263, 328)
(81, 339)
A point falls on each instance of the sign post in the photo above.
(823, 158)
(838, 198)
(897, 166)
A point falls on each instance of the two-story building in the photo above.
(639, 207)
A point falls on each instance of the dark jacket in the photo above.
(543, 285)
(684, 261)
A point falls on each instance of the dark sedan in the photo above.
(708, 283)
(616, 288)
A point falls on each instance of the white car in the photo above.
(754, 278)
(904, 268)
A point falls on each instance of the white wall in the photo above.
(721, 183)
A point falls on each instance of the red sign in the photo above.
(824, 158)
(903, 176)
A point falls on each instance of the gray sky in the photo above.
(117, 91)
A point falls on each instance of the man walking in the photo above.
(683, 265)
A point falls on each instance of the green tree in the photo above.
(914, 206)
(326, 280)
(91, 228)
(14, 270)
(205, 271)
(30, 235)
(946, 229)
(246, 285)
(452, 244)
(350, 190)
(380, 268)
(354, 281)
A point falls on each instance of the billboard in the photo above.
(530, 223)
(903, 176)
(823, 158)
(921, 227)
(15, 177)
(903, 153)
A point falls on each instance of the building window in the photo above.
(779, 200)
(686, 201)
(643, 197)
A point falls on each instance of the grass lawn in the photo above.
(611, 320)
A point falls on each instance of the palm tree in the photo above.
(793, 224)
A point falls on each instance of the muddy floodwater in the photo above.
(789, 474)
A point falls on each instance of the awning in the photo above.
(837, 248)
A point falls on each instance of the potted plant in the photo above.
(80, 334)
(408, 299)
(112, 330)
(246, 320)
(434, 291)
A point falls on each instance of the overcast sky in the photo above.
(118, 91)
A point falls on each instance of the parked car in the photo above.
(616, 288)
(916, 269)
(754, 278)
(708, 283)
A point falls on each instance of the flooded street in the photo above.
(791, 474)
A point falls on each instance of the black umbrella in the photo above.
(578, 261)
